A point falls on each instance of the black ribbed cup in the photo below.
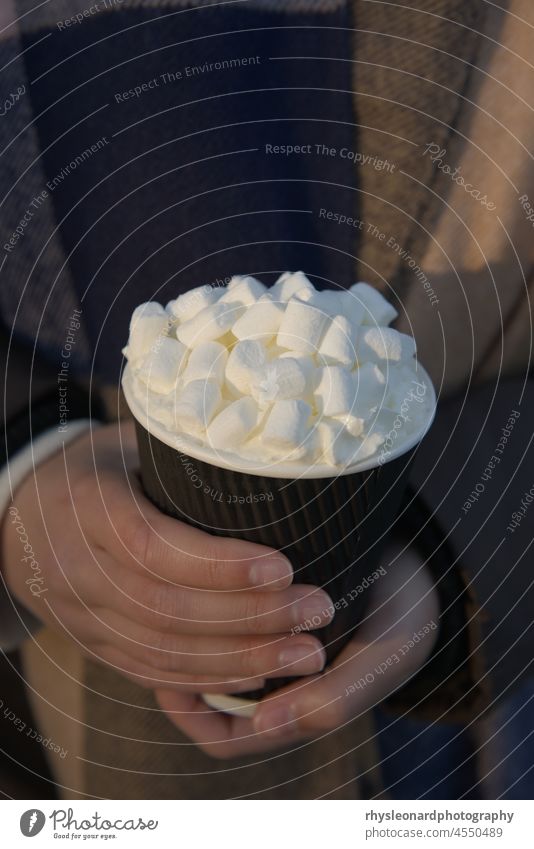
(332, 530)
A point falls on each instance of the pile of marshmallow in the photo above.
(279, 374)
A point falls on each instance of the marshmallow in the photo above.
(340, 450)
(370, 388)
(377, 309)
(394, 426)
(237, 279)
(148, 325)
(288, 284)
(383, 343)
(302, 326)
(337, 345)
(279, 380)
(354, 425)
(289, 373)
(234, 281)
(245, 361)
(186, 306)
(335, 392)
(247, 291)
(206, 362)
(209, 324)
(406, 390)
(369, 445)
(327, 300)
(196, 405)
(163, 364)
(351, 307)
(306, 363)
(389, 425)
(335, 447)
(233, 425)
(259, 321)
(158, 407)
(273, 351)
(337, 302)
(286, 428)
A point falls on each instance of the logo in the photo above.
(32, 822)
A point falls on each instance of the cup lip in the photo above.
(234, 463)
(234, 705)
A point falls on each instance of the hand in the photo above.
(381, 657)
(162, 603)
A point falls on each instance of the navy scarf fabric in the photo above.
(160, 135)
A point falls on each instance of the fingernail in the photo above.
(271, 573)
(276, 721)
(304, 659)
(312, 611)
(244, 684)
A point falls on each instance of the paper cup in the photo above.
(332, 528)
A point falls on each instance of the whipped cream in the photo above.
(246, 375)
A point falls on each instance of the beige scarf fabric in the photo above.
(477, 261)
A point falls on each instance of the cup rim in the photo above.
(234, 463)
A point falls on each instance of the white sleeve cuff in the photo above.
(16, 623)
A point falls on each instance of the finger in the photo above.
(146, 677)
(164, 607)
(317, 704)
(320, 704)
(238, 656)
(133, 531)
(388, 650)
(217, 734)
